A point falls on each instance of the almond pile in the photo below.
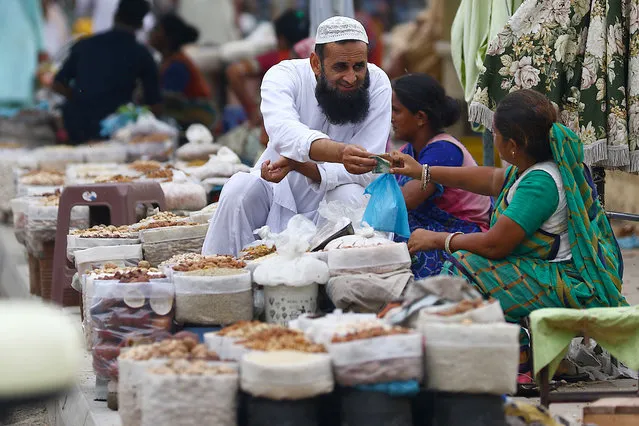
(245, 329)
(366, 330)
(163, 220)
(195, 368)
(461, 308)
(43, 177)
(281, 339)
(208, 262)
(257, 252)
(105, 231)
(173, 349)
(150, 137)
(115, 179)
(166, 173)
(145, 166)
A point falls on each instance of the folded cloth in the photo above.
(615, 329)
(367, 292)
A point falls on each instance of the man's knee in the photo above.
(351, 193)
(244, 189)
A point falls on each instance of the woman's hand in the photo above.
(404, 164)
(423, 240)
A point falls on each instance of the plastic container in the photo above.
(284, 303)
(368, 408)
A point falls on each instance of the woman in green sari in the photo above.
(549, 243)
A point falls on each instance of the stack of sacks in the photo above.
(367, 273)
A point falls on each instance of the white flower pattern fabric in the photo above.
(583, 55)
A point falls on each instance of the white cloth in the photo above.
(557, 223)
(321, 10)
(291, 113)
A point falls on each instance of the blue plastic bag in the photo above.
(386, 210)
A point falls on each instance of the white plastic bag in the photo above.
(183, 194)
(200, 145)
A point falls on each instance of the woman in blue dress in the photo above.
(421, 111)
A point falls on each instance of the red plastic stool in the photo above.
(120, 198)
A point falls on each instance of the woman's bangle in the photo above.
(449, 238)
(425, 176)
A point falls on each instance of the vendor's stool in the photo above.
(586, 326)
(121, 200)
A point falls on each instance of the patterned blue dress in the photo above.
(428, 215)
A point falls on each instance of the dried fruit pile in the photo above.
(257, 252)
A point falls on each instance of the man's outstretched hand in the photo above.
(277, 170)
(357, 160)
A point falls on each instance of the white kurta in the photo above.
(294, 120)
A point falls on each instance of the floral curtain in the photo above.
(583, 55)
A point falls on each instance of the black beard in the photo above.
(343, 107)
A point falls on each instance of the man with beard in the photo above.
(324, 117)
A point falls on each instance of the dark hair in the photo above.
(526, 117)
(177, 31)
(132, 12)
(293, 25)
(421, 92)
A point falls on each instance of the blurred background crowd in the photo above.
(202, 62)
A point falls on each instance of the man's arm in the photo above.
(287, 135)
(372, 136)
(236, 74)
(294, 140)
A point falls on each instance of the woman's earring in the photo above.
(513, 153)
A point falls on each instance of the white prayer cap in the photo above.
(340, 28)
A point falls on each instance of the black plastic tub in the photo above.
(367, 408)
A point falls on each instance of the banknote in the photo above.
(383, 165)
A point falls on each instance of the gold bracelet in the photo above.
(425, 176)
(449, 238)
